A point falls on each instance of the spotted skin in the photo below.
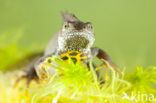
(76, 56)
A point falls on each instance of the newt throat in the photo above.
(76, 42)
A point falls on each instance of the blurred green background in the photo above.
(125, 29)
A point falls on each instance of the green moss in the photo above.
(71, 83)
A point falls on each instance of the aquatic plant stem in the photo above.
(94, 76)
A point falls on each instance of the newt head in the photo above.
(75, 34)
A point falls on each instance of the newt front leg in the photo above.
(99, 53)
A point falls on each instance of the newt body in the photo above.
(74, 38)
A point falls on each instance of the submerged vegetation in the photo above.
(72, 83)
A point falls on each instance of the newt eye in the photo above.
(66, 26)
(89, 26)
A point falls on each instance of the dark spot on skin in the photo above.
(82, 55)
(49, 60)
(64, 58)
(82, 60)
(73, 54)
(74, 60)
